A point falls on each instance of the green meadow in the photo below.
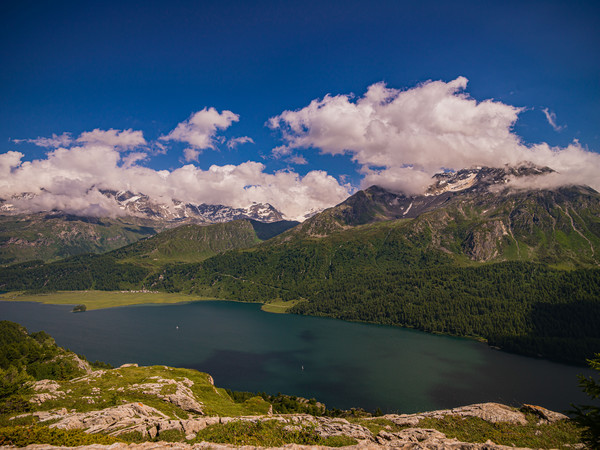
(102, 299)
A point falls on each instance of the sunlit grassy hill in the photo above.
(189, 243)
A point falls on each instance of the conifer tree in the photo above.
(589, 415)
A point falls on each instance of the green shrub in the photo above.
(101, 365)
(14, 404)
(20, 436)
(12, 381)
(261, 433)
(133, 437)
(339, 441)
(171, 436)
(532, 435)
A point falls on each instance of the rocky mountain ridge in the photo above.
(141, 206)
(54, 235)
(482, 178)
(150, 423)
(376, 204)
(476, 213)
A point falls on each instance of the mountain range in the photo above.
(52, 235)
(477, 255)
(141, 205)
(475, 213)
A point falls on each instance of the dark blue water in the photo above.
(339, 363)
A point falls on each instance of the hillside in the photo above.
(53, 236)
(132, 404)
(195, 243)
(190, 243)
(473, 215)
(516, 268)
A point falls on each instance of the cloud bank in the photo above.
(401, 138)
(71, 176)
(71, 179)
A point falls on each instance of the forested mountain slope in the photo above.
(53, 236)
(518, 268)
(194, 243)
(475, 216)
(190, 243)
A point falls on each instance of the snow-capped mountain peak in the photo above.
(141, 205)
(482, 177)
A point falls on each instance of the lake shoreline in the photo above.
(98, 300)
(344, 364)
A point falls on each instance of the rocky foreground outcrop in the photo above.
(433, 443)
(137, 417)
(163, 403)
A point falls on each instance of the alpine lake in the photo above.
(341, 364)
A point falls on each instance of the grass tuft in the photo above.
(532, 435)
(21, 436)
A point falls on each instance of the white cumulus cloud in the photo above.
(402, 137)
(133, 157)
(297, 159)
(71, 179)
(200, 130)
(191, 154)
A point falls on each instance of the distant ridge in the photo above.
(195, 243)
(52, 235)
(141, 205)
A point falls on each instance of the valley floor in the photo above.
(113, 299)
(102, 299)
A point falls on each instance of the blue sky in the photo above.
(149, 65)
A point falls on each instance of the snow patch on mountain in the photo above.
(126, 203)
(143, 206)
(486, 178)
